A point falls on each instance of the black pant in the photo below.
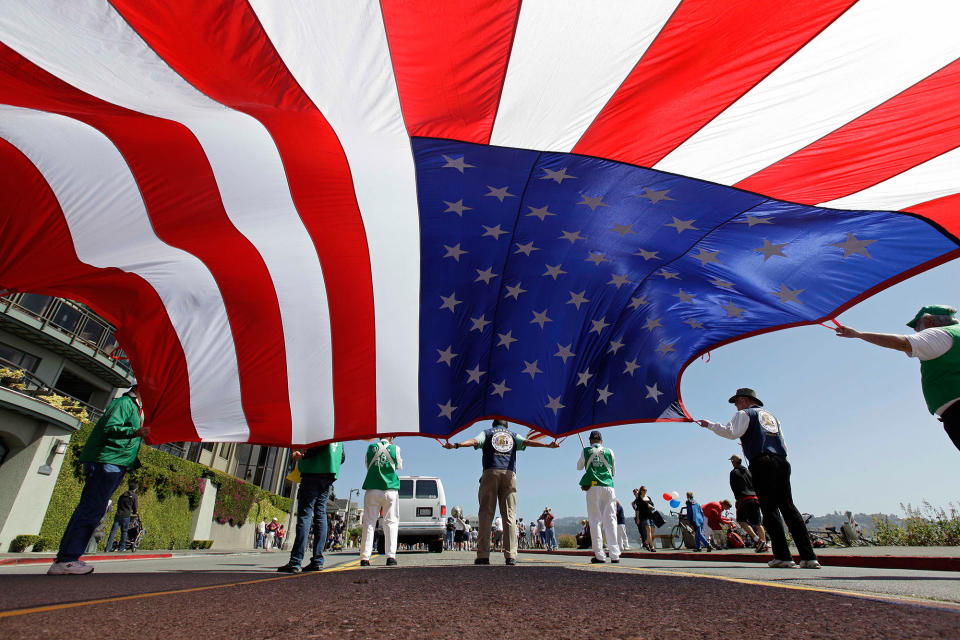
(771, 479)
(951, 423)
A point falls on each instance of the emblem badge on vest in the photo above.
(768, 422)
(502, 442)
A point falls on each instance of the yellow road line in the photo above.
(85, 603)
(781, 585)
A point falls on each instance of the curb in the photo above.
(916, 563)
(87, 558)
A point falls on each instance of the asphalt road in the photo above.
(433, 595)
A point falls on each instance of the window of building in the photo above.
(225, 449)
(406, 489)
(74, 386)
(34, 303)
(66, 317)
(18, 358)
(427, 489)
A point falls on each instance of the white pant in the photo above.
(373, 501)
(602, 514)
(622, 540)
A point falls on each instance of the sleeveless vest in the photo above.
(598, 473)
(763, 435)
(323, 459)
(499, 449)
(382, 472)
(940, 377)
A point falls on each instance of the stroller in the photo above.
(134, 535)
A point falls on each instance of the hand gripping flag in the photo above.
(319, 220)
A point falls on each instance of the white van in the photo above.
(423, 513)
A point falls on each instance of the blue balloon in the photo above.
(674, 504)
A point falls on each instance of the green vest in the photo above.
(112, 440)
(381, 473)
(597, 474)
(323, 459)
(940, 377)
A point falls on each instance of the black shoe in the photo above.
(288, 568)
(709, 548)
(511, 561)
(596, 560)
(364, 563)
(391, 562)
(617, 561)
(482, 561)
(313, 567)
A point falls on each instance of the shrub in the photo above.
(284, 504)
(67, 405)
(20, 543)
(235, 498)
(12, 378)
(567, 541)
(355, 534)
(924, 526)
(44, 544)
(201, 544)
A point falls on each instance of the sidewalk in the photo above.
(8, 559)
(917, 558)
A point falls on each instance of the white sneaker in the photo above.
(782, 564)
(76, 567)
(810, 564)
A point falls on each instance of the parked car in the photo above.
(423, 513)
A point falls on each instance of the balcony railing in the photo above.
(31, 385)
(75, 321)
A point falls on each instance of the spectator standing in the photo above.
(542, 530)
(319, 468)
(643, 509)
(550, 534)
(599, 468)
(761, 436)
(110, 451)
(498, 533)
(450, 537)
(127, 505)
(272, 533)
(261, 539)
(748, 506)
(534, 536)
(695, 518)
(936, 345)
(498, 484)
(381, 487)
(622, 538)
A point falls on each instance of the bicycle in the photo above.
(826, 537)
(682, 533)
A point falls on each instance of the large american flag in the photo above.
(318, 220)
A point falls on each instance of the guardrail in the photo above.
(75, 321)
(32, 386)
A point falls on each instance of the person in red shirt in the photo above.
(713, 512)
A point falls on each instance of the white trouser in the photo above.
(602, 514)
(622, 540)
(373, 501)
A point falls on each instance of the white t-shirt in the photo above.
(930, 344)
(498, 524)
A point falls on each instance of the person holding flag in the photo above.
(381, 488)
(498, 483)
(599, 467)
(318, 468)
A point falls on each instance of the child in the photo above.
(695, 518)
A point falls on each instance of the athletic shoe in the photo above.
(511, 562)
(782, 564)
(761, 547)
(391, 562)
(313, 567)
(481, 561)
(810, 564)
(75, 568)
(596, 560)
(364, 563)
(289, 568)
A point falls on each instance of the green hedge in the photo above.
(201, 544)
(169, 489)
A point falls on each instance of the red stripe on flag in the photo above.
(450, 60)
(39, 257)
(706, 57)
(182, 200)
(222, 50)
(903, 132)
(944, 211)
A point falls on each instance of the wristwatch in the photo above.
(456, 445)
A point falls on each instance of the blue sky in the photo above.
(858, 433)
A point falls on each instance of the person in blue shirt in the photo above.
(695, 518)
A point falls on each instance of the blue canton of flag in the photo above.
(563, 291)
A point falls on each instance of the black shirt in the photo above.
(741, 482)
(127, 504)
(643, 507)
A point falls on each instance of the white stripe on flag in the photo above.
(875, 50)
(933, 179)
(110, 228)
(93, 48)
(568, 58)
(338, 53)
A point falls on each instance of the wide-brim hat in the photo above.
(933, 310)
(745, 392)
